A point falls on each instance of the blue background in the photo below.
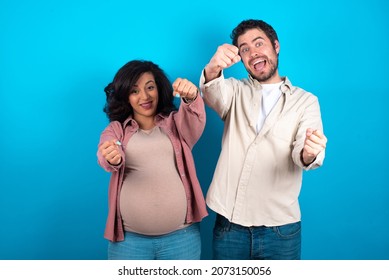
(57, 56)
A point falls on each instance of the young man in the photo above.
(272, 132)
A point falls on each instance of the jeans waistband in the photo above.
(226, 224)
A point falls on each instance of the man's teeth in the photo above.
(255, 63)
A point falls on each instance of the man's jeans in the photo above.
(235, 242)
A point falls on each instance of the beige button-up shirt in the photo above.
(258, 176)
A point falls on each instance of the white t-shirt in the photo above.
(270, 95)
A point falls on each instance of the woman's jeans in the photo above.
(183, 244)
(235, 242)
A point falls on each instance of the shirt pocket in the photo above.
(285, 128)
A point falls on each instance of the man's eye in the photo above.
(244, 50)
(258, 44)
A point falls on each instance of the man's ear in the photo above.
(277, 46)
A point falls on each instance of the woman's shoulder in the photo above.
(115, 125)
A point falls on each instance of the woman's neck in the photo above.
(145, 123)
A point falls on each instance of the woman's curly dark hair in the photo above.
(117, 92)
(251, 24)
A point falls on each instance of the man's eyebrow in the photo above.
(255, 39)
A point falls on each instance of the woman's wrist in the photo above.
(191, 99)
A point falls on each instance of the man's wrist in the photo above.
(211, 75)
(306, 162)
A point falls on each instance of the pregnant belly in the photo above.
(153, 208)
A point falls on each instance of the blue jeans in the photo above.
(236, 242)
(183, 244)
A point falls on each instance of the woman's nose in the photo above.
(144, 94)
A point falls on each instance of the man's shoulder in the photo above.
(296, 90)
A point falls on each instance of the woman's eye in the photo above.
(151, 87)
(134, 91)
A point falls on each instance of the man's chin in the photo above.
(261, 78)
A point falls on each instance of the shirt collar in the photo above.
(131, 122)
(286, 87)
